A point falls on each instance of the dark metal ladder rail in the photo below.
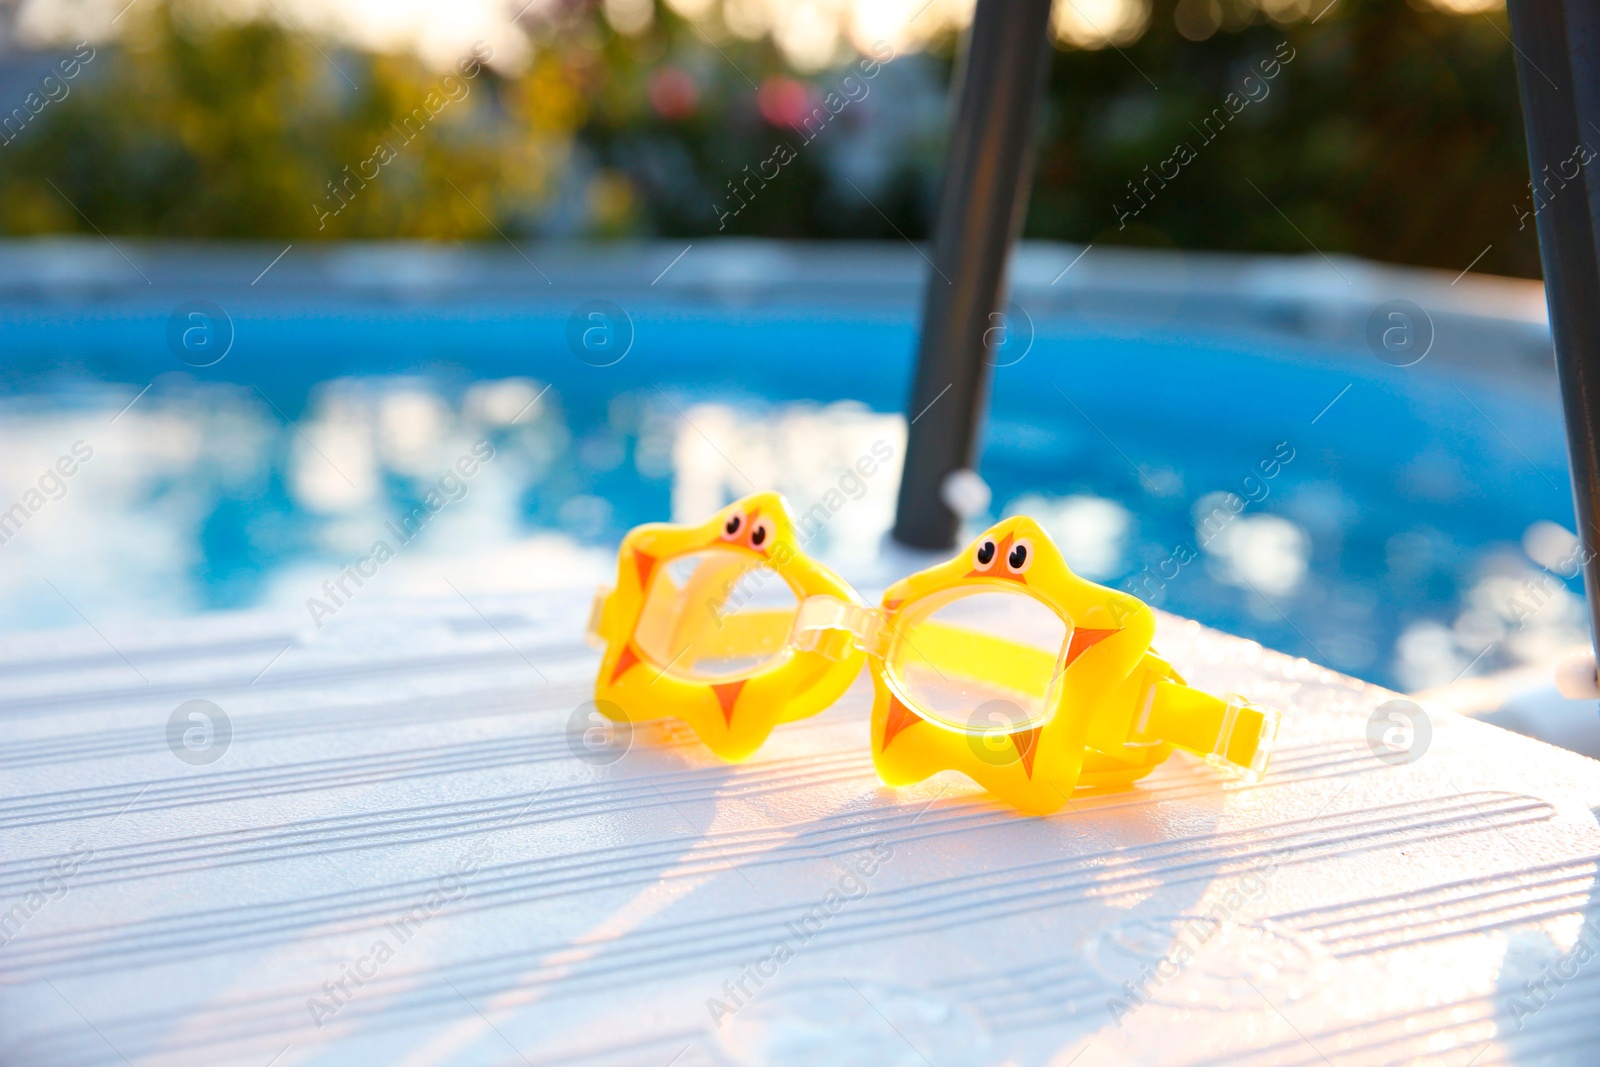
(988, 172)
(1558, 68)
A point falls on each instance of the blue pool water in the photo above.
(1388, 534)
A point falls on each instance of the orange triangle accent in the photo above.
(890, 605)
(1027, 742)
(627, 658)
(898, 719)
(727, 695)
(1002, 574)
(1083, 640)
(646, 564)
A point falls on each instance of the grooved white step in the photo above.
(406, 780)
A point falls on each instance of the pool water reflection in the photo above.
(1392, 533)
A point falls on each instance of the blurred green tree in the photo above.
(1395, 132)
(200, 127)
(1386, 128)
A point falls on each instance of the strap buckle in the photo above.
(835, 627)
(594, 630)
(1244, 742)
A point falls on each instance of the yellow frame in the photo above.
(732, 716)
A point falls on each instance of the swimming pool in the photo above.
(1221, 444)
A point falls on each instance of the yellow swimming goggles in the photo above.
(1001, 663)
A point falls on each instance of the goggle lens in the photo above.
(979, 661)
(716, 614)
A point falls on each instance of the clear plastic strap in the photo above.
(1139, 736)
(834, 627)
(597, 612)
(1264, 721)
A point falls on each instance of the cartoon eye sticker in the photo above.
(732, 525)
(1020, 558)
(983, 555)
(760, 534)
